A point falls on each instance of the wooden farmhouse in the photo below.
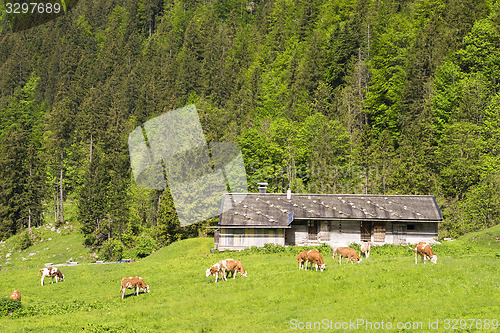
(254, 219)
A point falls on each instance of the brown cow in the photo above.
(133, 282)
(315, 257)
(425, 251)
(16, 294)
(217, 269)
(348, 253)
(233, 266)
(53, 272)
(302, 258)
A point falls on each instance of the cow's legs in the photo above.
(41, 281)
(416, 259)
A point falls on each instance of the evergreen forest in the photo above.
(322, 96)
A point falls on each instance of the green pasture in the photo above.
(275, 296)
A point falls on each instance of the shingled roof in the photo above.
(273, 210)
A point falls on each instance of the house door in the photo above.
(312, 230)
(399, 234)
(366, 231)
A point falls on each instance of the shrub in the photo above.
(26, 239)
(145, 246)
(112, 249)
(8, 305)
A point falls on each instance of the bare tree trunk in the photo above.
(56, 203)
(29, 219)
(91, 143)
(61, 193)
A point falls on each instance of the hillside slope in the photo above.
(273, 298)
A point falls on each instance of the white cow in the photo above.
(365, 249)
(53, 272)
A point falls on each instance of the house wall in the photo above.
(345, 233)
(238, 239)
(419, 232)
(332, 232)
(297, 235)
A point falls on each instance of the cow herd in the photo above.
(314, 256)
(225, 267)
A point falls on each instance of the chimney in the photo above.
(262, 187)
(289, 194)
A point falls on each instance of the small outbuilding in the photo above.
(255, 219)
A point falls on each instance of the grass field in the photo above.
(386, 291)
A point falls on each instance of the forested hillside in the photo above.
(324, 96)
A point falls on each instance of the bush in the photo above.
(25, 240)
(145, 246)
(8, 305)
(112, 249)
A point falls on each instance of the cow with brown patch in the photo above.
(347, 252)
(233, 266)
(302, 258)
(53, 272)
(217, 269)
(16, 294)
(315, 257)
(133, 282)
(425, 251)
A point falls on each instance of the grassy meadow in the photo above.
(275, 297)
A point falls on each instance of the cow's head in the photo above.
(212, 270)
(434, 259)
(146, 289)
(244, 273)
(322, 267)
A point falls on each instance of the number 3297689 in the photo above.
(454, 324)
(32, 8)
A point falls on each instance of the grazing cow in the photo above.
(16, 294)
(233, 266)
(315, 257)
(133, 282)
(425, 251)
(217, 269)
(365, 249)
(53, 272)
(348, 253)
(302, 258)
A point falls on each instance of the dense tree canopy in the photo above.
(330, 96)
